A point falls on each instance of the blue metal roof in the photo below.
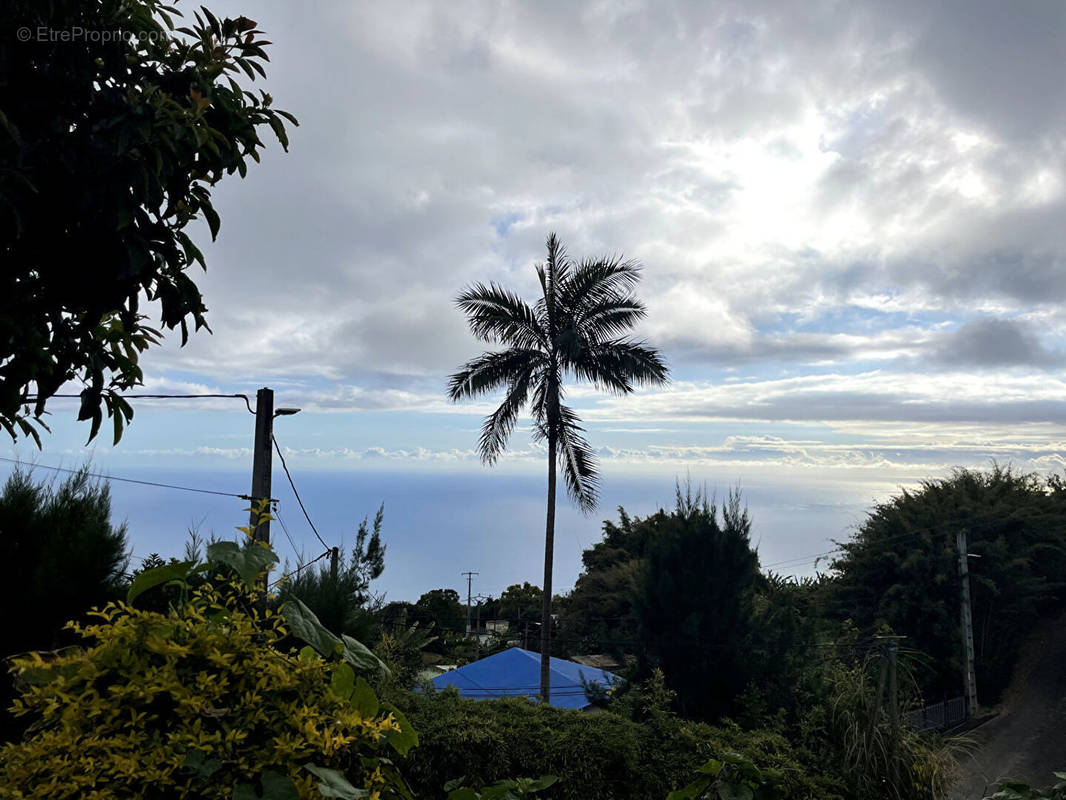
(516, 673)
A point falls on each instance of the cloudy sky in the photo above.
(850, 217)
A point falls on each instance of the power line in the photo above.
(244, 397)
(288, 475)
(129, 480)
(302, 567)
(285, 530)
(982, 521)
(800, 559)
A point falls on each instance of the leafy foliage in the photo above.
(901, 570)
(691, 602)
(200, 700)
(508, 789)
(442, 608)
(734, 777)
(61, 555)
(595, 756)
(109, 147)
(1017, 790)
(340, 599)
(599, 615)
(519, 603)
(206, 699)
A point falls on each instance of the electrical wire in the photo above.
(301, 568)
(982, 521)
(285, 530)
(130, 480)
(288, 475)
(244, 397)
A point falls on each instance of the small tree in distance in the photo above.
(575, 329)
(339, 600)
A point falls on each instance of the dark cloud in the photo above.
(994, 342)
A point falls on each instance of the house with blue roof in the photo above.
(516, 673)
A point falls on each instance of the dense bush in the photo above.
(205, 701)
(1016, 790)
(901, 570)
(595, 755)
(61, 557)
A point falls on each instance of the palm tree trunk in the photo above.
(546, 602)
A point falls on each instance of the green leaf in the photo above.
(712, 767)
(465, 793)
(364, 700)
(197, 761)
(213, 222)
(332, 783)
(307, 654)
(735, 791)
(342, 681)
(278, 787)
(362, 658)
(693, 790)
(249, 562)
(305, 626)
(541, 783)
(275, 787)
(404, 739)
(156, 576)
(279, 130)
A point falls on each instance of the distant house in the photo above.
(516, 673)
(492, 628)
(598, 660)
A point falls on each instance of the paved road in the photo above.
(1027, 741)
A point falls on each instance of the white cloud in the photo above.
(871, 190)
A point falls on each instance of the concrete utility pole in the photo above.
(889, 647)
(893, 706)
(967, 624)
(261, 461)
(469, 583)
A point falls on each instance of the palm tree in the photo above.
(575, 329)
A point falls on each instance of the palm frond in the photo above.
(489, 371)
(595, 280)
(497, 428)
(501, 317)
(580, 470)
(558, 266)
(609, 316)
(616, 365)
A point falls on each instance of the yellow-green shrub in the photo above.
(201, 701)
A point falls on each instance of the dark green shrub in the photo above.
(1017, 790)
(595, 755)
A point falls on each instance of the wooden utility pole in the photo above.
(261, 461)
(469, 583)
(334, 554)
(970, 679)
